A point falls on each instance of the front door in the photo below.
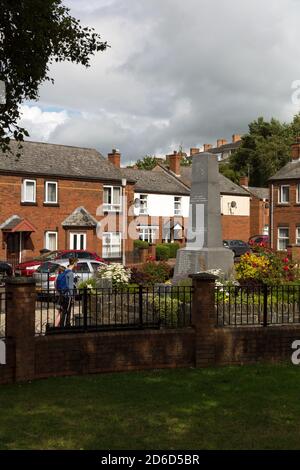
(14, 248)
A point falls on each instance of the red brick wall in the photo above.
(113, 351)
(71, 194)
(287, 215)
(235, 227)
(259, 216)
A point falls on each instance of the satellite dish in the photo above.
(233, 204)
(137, 203)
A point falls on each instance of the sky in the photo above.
(178, 73)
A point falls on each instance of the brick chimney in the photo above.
(207, 147)
(194, 151)
(115, 157)
(296, 150)
(174, 162)
(221, 142)
(244, 181)
(236, 138)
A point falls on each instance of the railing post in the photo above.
(85, 307)
(204, 318)
(141, 305)
(20, 324)
(265, 312)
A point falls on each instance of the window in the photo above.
(29, 191)
(266, 230)
(82, 268)
(283, 238)
(111, 245)
(298, 236)
(148, 234)
(298, 194)
(112, 198)
(51, 241)
(177, 205)
(143, 204)
(51, 192)
(77, 241)
(284, 194)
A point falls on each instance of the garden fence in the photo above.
(109, 308)
(257, 305)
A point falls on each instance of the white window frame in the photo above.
(280, 194)
(23, 196)
(280, 238)
(298, 193)
(143, 204)
(106, 254)
(111, 207)
(146, 233)
(177, 200)
(50, 232)
(297, 235)
(46, 192)
(72, 237)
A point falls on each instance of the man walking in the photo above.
(65, 286)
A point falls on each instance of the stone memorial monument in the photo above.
(204, 249)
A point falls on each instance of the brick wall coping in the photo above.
(20, 281)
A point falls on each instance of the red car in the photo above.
(29, 267)
(259, 240)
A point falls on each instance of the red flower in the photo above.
(286, 260)
(286, 268)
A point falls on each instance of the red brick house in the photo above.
(285, 203)
(50, 198)
(259, 208)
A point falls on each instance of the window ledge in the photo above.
(51, 204)
(24, 203)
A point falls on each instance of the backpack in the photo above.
(61, 281)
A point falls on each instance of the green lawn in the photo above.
(250, 407)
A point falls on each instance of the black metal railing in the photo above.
(257, 305)
(109, 308)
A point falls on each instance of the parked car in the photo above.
(29, 267)
(259, 240)
(46, 274)
(5, 271)
(238, 247)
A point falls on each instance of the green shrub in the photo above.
(168, 309)
(139, 244)
(162, 252)
(173, 248)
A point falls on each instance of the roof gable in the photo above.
(80, 218)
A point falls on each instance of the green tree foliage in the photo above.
(264, 150)
(33, 34)
(231, 174)
(147, 163)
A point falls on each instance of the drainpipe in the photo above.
(20, 247)
(124, 211)
(272, 217)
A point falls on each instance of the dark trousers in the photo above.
(65, 302)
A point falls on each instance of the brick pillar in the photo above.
(20, 324)
(204, 318)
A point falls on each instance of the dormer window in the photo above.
(28, 191)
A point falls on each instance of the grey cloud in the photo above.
(178, 72)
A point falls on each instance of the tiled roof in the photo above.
(155, 182)
(57, 160)
(80, 218)
(226, 185)
(225, 147)
(290, 171)
(10, 223)
(260, 193)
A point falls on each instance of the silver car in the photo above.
(45, 276)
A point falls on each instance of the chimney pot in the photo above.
(206, 147)
(115, 158)
(244, 181)
(194, 151)
(236, 138)
(221, 142)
